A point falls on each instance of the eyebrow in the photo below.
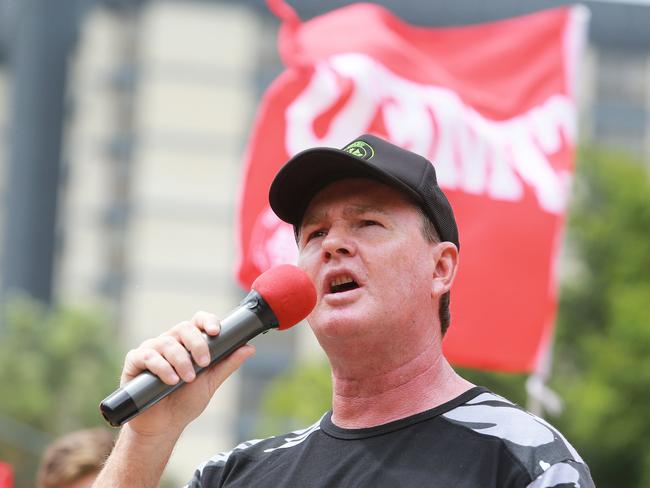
(350, 211)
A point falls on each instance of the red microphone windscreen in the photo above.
(288, 291)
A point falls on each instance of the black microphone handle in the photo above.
(250, 319)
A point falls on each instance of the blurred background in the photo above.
(122, 130)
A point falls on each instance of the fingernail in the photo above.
(204, 360)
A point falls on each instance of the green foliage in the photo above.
(296, 399)
(508, 385)
(602, 359)
(56, 365)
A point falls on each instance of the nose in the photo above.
(336, 243)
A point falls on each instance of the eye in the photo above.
(368, 222)
(315, 234)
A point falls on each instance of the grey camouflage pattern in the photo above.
(547, 456)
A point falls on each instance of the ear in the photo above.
(444, 272)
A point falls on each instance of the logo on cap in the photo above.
(360, 149)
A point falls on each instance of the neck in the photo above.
(374, 396)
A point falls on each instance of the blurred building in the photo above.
(160, 99)
(3, 128)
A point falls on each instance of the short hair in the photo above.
(73, 456)
(430, 234)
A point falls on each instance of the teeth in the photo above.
(341, 280)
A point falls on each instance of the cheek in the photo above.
(301, 261)
(308, 263)
(409, 270)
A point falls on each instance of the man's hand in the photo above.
(169, 356)
(146, 441)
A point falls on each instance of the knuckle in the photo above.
(203, 316)
(131, 354)
(187, 324)
(149, 355)
(184, 325)
(182, 358)
(196, 337)
(149, 343)
(174, 352)
(168, 342)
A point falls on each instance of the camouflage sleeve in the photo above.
(566, 473)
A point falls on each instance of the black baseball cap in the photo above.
(368, 156)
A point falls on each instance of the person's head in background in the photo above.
(75, 459)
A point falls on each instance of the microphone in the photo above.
(280, 298)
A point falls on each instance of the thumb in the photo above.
(222, 370)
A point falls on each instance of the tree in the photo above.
(56, 365)
(603, 353)
(295, 399)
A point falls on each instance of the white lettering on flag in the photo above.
(472, 154)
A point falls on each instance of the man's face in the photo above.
(361, 243)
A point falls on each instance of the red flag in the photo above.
(492, 105)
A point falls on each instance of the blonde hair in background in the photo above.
(74, 456)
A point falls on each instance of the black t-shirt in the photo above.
(477, 440)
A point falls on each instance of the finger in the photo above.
(194, 341)
(208, 322)
(141, 359)
(134, 361)
(176, 355)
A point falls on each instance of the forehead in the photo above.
(357, 195)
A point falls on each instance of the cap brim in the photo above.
(311, 170)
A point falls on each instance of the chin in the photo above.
(340, 325)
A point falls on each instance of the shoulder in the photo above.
(568, 473)
(532, 443)
(249, 452)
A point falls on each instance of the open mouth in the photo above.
(343, 283)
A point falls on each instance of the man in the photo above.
(379, 240)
